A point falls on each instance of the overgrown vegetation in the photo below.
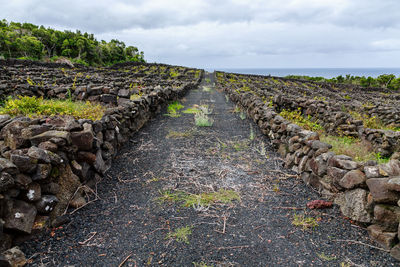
(389, 81)
(29, 41)
(37, 107)
(204, 199)
(352, 147)
(372, 122)
(296, 117)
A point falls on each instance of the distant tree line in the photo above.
(385, 80)
(29, 41)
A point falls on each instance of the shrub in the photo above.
(304, 122)
(38, 107)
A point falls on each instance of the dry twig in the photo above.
(123, 262)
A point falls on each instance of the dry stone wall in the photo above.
(328, 104)
(50, 164)
(367, 193)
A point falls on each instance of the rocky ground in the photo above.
(183, 195)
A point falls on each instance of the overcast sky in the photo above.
(233, 33)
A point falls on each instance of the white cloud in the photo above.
(282, 33)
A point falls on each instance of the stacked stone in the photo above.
(47, 164)
(367, 193)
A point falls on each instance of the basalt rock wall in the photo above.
(367, 193)
(51, 164)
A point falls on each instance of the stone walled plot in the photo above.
(48, 164)
(367, 192)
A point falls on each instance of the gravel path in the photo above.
(183, 195)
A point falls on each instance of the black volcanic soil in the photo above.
(129, 225)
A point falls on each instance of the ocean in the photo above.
(314, 72)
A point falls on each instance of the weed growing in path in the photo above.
(207, 89)
(226, 98)
(305, 222)
(262, 151)
(252, 136)
(181, 234)
(204, 199)
(324, 257)
(176, 134)
(240, 145)
(173, 109)
(201, 264)
(242, 115)
(201, 118)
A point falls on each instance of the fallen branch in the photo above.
(87, 203)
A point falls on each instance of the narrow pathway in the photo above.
(183, 195)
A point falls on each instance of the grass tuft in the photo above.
(201, 118)
(180, 234)
(207, 89)
(203, 199)
(176, 134)
(173, 109)
(352, 147)
(305, 222)
(39, 107)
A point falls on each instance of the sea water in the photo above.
(314, 72)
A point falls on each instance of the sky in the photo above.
(233, 33)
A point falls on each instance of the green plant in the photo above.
(252, 135)
(173, 74)
(181, 234)
(262, 151)
(185, 134)
(205, 199)
(352, 147)
(296, 117)
(38, 107)
(305, 222)
(371, 122)
(201, 118)
(208, 80)
(207, 89)
(201, 264)
(324, 257)
(240, 145)
(226, 98)
(242, 115)
(135, 97)
(173, 109)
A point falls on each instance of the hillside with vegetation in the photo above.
(29, 41)
(389, 81)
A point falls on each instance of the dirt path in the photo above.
(172, 199)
